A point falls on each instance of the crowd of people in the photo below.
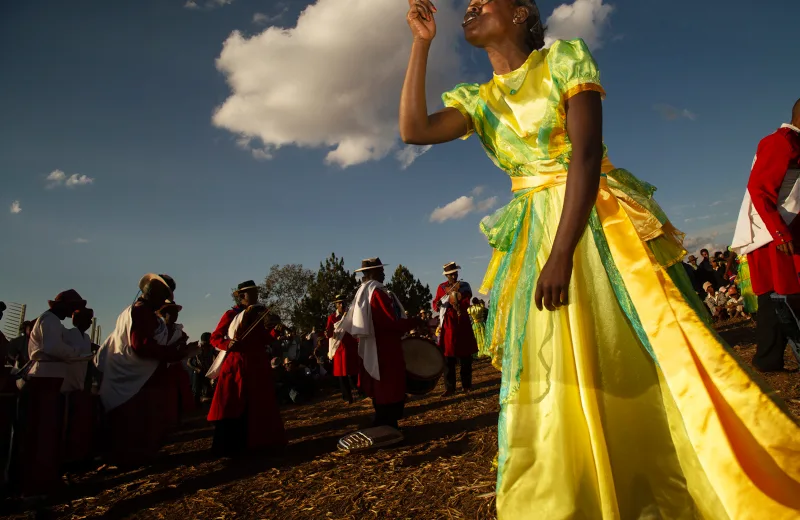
(721, 285)
(68, 402)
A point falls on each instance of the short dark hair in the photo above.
(704, 251)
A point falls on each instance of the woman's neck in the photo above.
(507, 56)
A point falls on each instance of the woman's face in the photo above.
(489, 21)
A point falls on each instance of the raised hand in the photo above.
(420, 19)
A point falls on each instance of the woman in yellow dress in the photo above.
(477, 314)
(617, 400)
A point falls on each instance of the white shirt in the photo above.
(48, 349)
(75, 373)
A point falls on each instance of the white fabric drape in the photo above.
(213, 372)
(125, 373)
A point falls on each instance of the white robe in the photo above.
(125, 373)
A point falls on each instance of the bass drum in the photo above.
(424, 365)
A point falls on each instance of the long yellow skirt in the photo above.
(624, 404)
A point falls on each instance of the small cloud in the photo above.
(208, 5)
(261, 154)
(16, 207)
(478, 190)
(582, 19)
(671, 113)
(410, 153)
(263, 19)
(486, 205)
(59, 178)
(704, 217)
(55, 178)
(78, 180)
(207, 296)
(456, 210)
(81, 241)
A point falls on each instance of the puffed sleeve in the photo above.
(464, 98)
(573, 68)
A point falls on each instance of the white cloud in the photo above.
(55, 178)
(486, 205)
(712, 242)
(456, 210)
(410, 153)
(77, 180)
(264, 19)
(59, 178)
(477, 190)
(209, 4)
(16, 207)
(463, 206)
(81, 241)
(581, 19)
(333, 81)
(670, 113)
(207, 296)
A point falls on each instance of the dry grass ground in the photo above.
(443, 470)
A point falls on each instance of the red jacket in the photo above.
(389, 329)
(346, 361)
(245, 384)
(771, 270)
(458, 339)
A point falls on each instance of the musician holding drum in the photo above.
(457, 338)
(244, 409)
(377, 320)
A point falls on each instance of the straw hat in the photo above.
(370, 263)
(451, 268)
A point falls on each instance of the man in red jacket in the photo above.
(344, 353)
(458, 339)
(244, 409)
(378, 320)
(768, 231)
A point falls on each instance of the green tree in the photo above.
(409, 290)
(331, 280)
(284, 289)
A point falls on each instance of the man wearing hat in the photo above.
(457, 339)
(377, 319)
(244, 409)
(344, 353)
(135, 377)
(37, 432)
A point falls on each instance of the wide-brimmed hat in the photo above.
(370, 263)
(69, 297)
(338, 299)
(450, 268)
(245, 286)
(150, 277)
(692, 257)
(170, 306)
(707, 285)
(85, 312)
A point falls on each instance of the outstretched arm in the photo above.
(585, 130)
(416, 126)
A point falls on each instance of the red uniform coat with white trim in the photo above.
(346, 361)
(245, 384)
(389, 329)
(771, 270)
(458, 339)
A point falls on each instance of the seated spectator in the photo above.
(735, 304)
(715, 301)
(295, 384)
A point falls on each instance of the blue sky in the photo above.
(125, 94)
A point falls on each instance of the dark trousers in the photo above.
(388, 414)
(230, 437)
(347, 384)
(770, 337)
(450, 372)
